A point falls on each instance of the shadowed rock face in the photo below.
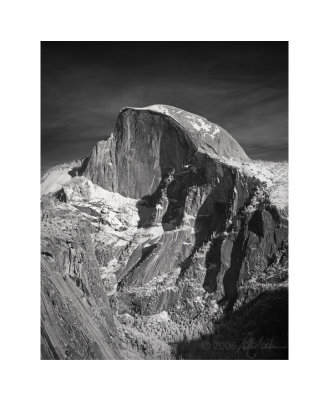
(148, 145)
(180, 237)
(217, 219)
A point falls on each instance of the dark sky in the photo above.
(241, 86)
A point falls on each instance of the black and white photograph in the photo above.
(164, 200)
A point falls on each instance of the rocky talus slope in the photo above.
(166, 242)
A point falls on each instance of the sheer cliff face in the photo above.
(148, 145)
(101, 166)
(170, 227)
(150, 142)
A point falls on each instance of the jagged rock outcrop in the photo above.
(215, 210)
(163, 230)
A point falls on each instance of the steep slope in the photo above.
(167, 228)
(76, 318)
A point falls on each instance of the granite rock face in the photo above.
(147, 143)
(167, 228)
(101, 166)
(76, 318)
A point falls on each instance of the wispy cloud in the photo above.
(82, 93)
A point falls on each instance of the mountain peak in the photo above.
(203, 133)
(148, 142)
(163, 230)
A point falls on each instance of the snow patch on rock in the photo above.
(56, 177)
(274, 175)
(55, 181)
(204, 125)
(196, 126)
